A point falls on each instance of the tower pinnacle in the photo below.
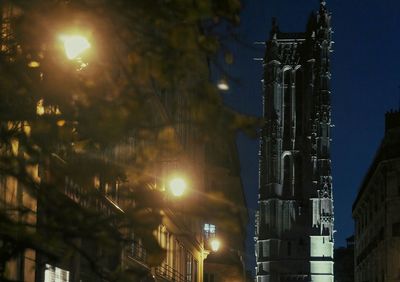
(322, 6)
(274, 29)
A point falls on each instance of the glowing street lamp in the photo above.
(177, 186)
(74, 45)
(215, 244)
(223, 84)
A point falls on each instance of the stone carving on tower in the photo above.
(294, 222)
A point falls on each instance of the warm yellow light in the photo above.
(177, 186)
(40, 108)
(74, 45)
(223, 85)
(33, 64)
(60, 122)
(215, 244)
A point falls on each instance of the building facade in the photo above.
(376, 211)
(229, 214)
(294, 223)
(15, 201)
(344, 262)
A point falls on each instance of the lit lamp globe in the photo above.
(177, 186)
(223, 84)
(74, 45)
(215, 244)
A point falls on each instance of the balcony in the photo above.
(167, 273)
(135, 257)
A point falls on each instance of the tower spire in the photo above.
(274, 29)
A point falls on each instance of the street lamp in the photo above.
(74, 45)
(223, 84)
(215, 244)
(177, 186)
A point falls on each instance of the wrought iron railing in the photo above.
(169, 273)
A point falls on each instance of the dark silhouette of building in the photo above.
(344, 262)
(294, 224)
(376, 211)
(228, 214)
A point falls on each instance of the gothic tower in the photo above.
(294, 224)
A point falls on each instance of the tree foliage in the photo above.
(69, 118)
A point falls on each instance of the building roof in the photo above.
(388, 149)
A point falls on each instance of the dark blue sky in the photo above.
(365, 84)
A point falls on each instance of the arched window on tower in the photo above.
(299, 101)
(287, 108)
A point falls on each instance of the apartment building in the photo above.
(376, 211)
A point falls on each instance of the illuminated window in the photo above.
(55, 274)
(209, 230)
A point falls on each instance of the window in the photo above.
(299, 101)
(55, 274)
(209, 230)
(287, 108)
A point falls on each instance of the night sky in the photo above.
(365, 85)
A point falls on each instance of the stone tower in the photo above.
(294, 223)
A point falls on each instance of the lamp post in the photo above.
(223, 84)
(177, 186)
(215, 245)
(74, 45)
